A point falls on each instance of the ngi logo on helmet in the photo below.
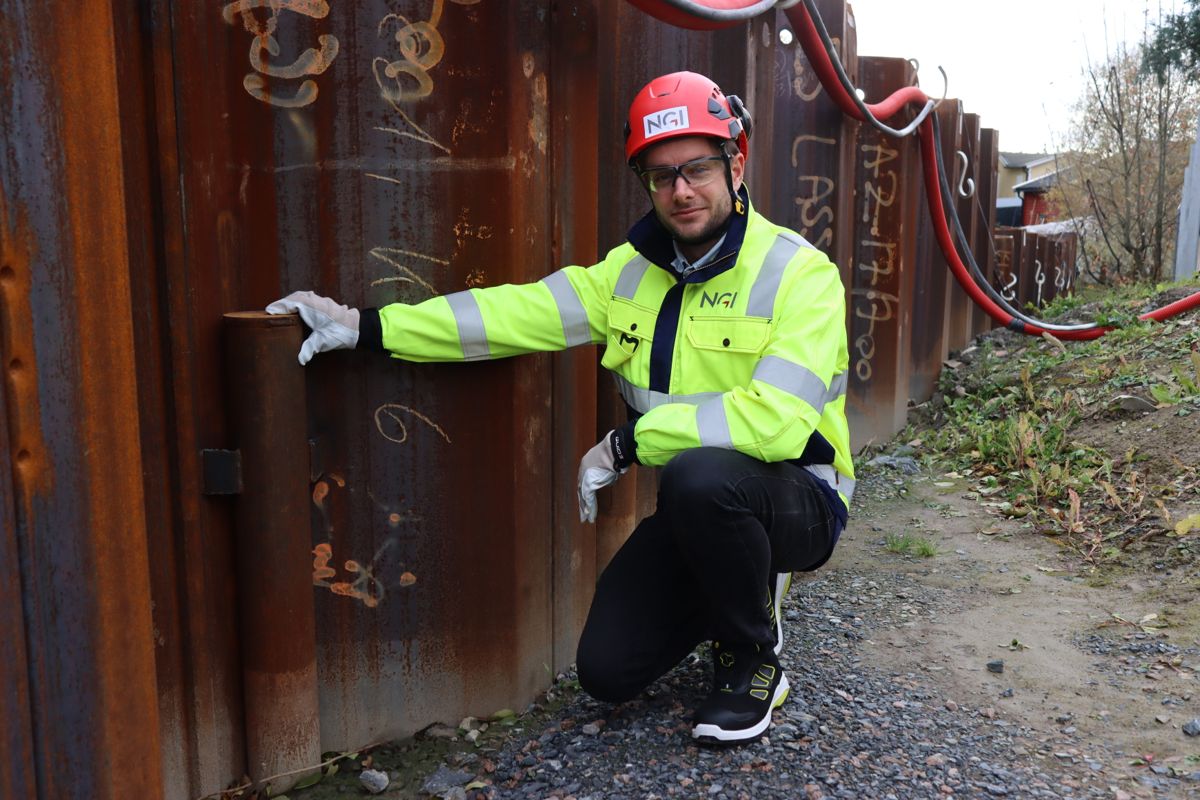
(665, 121)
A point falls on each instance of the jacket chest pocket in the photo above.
(630, 331)
(725, 350)
(745, 335)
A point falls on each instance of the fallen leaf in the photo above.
(1186, 526)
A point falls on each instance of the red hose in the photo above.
(818, 58)
(810, 41)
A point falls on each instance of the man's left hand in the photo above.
(597, 469)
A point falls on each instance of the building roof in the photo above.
(1024, 160)
(1041, 184)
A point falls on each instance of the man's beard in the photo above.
(710, 232)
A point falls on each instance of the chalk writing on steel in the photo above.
(806, 84)
(880, 306)
(312, 61)
(391, 411)
(816, 208)
(392, 256)
(406, 79)
(882, 154)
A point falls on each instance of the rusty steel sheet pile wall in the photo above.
(880, 311)
(221, 155)
(986, 185)
(83, 692)
(414, 163)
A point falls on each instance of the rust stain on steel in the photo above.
(17, 762)
(207, 256)
(278, 632)
(884, 267)
(80, 521)
(20, 359)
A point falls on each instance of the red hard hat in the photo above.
(684, 104)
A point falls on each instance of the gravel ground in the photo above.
(850, 728)
(847, 730)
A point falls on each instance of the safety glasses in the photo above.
(697, 172)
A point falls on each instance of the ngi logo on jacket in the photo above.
(724, 299)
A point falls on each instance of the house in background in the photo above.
(1036, 206)
(1024, 181)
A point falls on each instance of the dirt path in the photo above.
(1100, 689)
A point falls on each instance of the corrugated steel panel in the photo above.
(931, 306)
(574, 77)
(957, 322)
(886, 186)
(969, 208)
(17, 766)
(71, 399)
(985, 190)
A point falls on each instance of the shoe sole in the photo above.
(783, 582)
(718, 734)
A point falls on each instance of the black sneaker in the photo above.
(747, 684)
(776, 589)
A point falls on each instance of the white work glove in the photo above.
(334, 326)
(598, 468)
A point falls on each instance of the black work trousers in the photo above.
(697, 569)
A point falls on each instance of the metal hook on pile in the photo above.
(963, 163)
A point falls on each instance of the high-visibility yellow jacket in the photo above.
(748, 352)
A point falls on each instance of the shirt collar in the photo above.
(685, 267)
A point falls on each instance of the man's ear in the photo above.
(737, 168)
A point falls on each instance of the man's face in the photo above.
(693, 214)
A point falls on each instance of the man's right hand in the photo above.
(334, 326)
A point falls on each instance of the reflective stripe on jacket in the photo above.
(752, 358)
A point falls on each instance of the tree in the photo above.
(1123, 163)
(1176, 42)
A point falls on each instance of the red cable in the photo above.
(818, 58)
(806, 32)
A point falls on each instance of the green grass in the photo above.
(910, 545)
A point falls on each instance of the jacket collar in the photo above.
(652, 240)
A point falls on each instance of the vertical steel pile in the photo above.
(880, 311)
(81, 719)
(986, 186)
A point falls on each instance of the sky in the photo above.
(1017, 64)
